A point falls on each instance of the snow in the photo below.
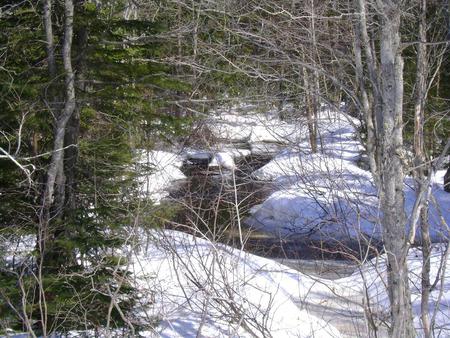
(439, 206)
(222, 155)
(375, 281)
(199, 288)
(206, 289)
(15, 249)
(252, 128)
(223, 160)
(327, 196)
(204, 155)
(164, 170)
(236, 153)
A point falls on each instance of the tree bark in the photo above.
(49, 38)
(386, 80)
(315, 74)
(73, 125)
(373, 116)
(367, 109)
(54, 188)
(420, 171)
(309, 102)
(391, 172)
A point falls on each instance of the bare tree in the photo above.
(54, 191)
(419, 162)
(387, 91)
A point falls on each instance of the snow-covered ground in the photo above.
(205, 289)
(253, 128)
(199, 288)
(328, 196)
(192, 287)
(373, 277)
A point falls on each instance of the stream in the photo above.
(216, 202)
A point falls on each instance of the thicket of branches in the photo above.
(84, 84)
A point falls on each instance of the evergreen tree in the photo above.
(121, 105)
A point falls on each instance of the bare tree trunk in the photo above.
(419, 164)
(387, 88)
(53, 194)
(372, 119)
(55, 173)
(50, 47)
(310, 111)
(391, 187)
(367, 109)
(316, 80)
(71, 136)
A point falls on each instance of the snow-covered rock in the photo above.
(163, 171)
(223, 160)
(223, 157)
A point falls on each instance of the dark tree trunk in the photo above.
(73, 126)
(447, 180)
(50, 47)
(309, 102)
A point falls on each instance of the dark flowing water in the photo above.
(216, 202)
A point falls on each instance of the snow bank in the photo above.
(222, 156)
(223, 160)
(327, 196)
(324, 195)
(205, 289)
(253, 128)
(373, 278)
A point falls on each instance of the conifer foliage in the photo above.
(79, 94)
